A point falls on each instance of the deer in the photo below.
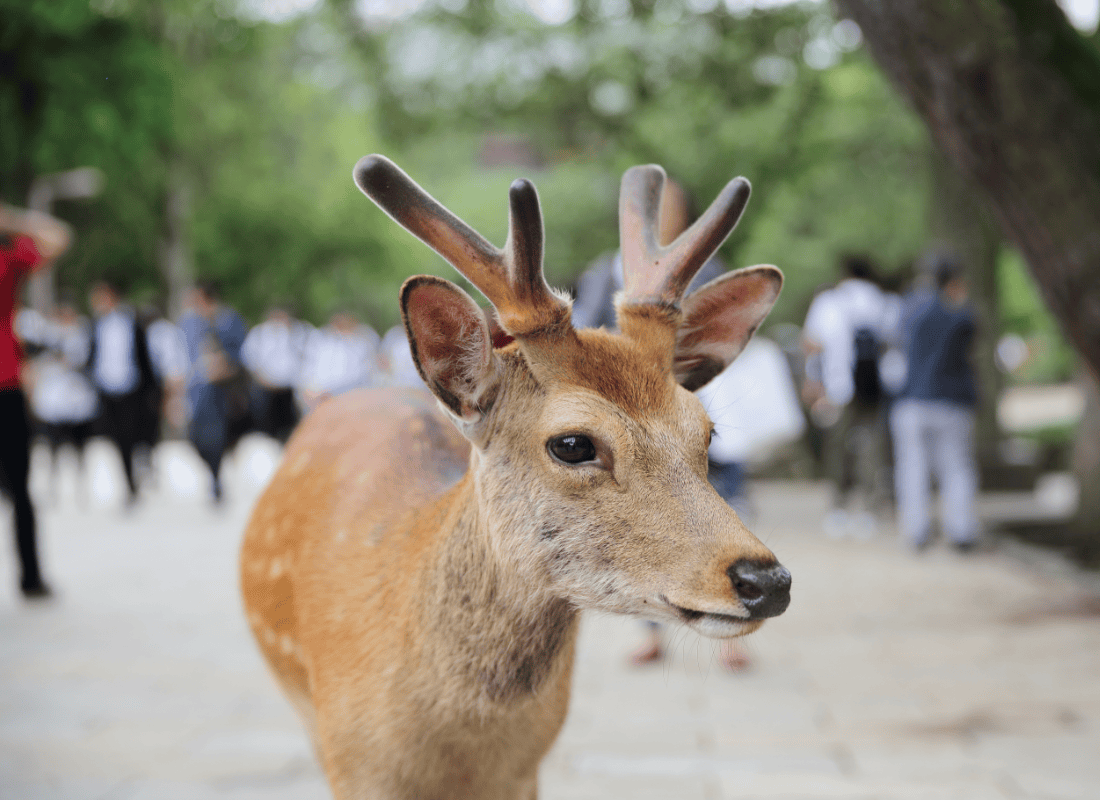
(415, 571)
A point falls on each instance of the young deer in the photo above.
(416, 591)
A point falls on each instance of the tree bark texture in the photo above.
(961, 224)
(173, 253)
(1086, 467)
(1011, 95)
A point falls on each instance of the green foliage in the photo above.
(276, 216)
(81, 89)
(258, 125)
(1024, 314)
(836, 162)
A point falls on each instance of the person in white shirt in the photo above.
(168, 354)
(123, 375)
(63, 399)
(844, 335)
(339, 357)
(753, 404)
(273, 352)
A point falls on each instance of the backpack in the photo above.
(865, 374)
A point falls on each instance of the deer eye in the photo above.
(572, 448)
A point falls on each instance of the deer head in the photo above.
(589, 449)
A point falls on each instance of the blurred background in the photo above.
(201, 151)
(222, 133)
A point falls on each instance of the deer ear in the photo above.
(451, 345)
(719, 318)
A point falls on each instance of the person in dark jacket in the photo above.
(122, 373)
(933, 421)
(217, 387)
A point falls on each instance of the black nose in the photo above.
(764, 589)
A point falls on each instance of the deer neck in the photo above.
(495, 622)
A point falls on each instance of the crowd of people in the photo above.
(129, 374)
(891, 374)
(886, 385)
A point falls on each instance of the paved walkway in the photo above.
(891, 676)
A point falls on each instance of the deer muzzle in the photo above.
(763, 589)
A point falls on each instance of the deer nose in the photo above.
(763, 589)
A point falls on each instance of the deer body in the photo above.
(427, 666)
(414, 572)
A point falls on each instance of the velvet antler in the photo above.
(656, 275)
(510, 277)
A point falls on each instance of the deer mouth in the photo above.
(713, 624)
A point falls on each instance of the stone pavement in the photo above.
(890, 677)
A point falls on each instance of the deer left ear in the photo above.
(719, 318)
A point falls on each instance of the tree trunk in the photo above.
(1010, 93)
(961, 225)
(173, 253)
(1086, 466)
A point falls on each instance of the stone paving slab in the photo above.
(891, 677)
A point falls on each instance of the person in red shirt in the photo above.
(28, 240)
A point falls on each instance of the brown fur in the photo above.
(425, 627)
(416, 592)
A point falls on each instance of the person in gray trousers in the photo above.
(933, 420)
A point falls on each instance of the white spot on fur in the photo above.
(276, 568)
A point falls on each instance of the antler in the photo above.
(511, 277)
(656, 275)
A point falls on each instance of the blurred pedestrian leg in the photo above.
(15, 451)
(935, 437)
(855, 461)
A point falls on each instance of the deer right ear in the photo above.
(451, 345)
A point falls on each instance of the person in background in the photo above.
(933, 421)
(339, 357)
(844, 336)
(63, 399)
(594, 306)
(28, 240)
(217, 388)
(273, 352)
(122, 373)
(753, 404)
(168, 352)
